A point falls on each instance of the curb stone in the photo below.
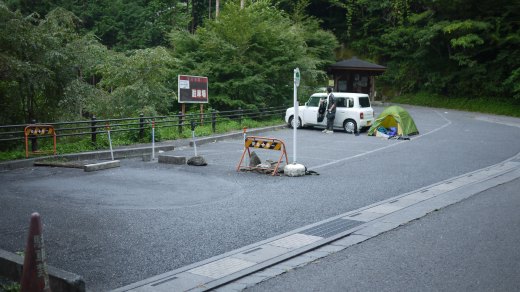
(11, 267)
(136, 150)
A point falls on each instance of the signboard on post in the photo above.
(297, 77)
(192, 89)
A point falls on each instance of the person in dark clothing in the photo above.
(331, 111)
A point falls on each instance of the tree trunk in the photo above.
(188, 13)
(217, 8)
(241, 4)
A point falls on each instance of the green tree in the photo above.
(249, 54)
(119, 24)
(142, 82)
(35, 63)
(458, 48)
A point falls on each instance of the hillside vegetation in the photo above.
(67, 59)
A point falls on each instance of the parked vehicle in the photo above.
(353, 112)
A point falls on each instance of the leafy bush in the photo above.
(249, 54)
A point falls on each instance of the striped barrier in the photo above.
(254, 142)
(32, 131)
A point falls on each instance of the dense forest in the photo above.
(68, 59)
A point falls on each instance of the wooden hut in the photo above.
(355, 75)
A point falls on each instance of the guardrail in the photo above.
(11, 134)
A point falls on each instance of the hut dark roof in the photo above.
(356, 64)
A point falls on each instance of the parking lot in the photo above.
(122, 225)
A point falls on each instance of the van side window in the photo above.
(340, 102)
(349, 102)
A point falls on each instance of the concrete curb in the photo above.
(11, 266)
(137, 151)
(99, 155)
(101, 165)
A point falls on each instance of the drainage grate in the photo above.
(331, 228)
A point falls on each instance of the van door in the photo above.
(310, 111)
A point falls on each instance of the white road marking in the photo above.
(448, 122)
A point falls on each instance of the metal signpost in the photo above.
(296, 118)
(110, 141)
(295, 169)
(193, 136)
(153, 139)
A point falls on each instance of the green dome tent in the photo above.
(395, 116)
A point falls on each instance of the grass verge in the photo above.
(68, 145)
(482, 105)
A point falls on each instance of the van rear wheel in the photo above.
(350, 126)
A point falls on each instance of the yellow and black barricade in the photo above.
(33, 131)
(263, 143)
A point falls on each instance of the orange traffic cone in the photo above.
(34, 276)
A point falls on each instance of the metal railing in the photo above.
(11, 134)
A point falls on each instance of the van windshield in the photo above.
(314, 101)
(364, 101)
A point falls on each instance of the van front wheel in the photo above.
(291, 123)
(350, 126)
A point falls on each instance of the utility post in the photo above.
(295, 169)
(296, 113)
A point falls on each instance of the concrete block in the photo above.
(331, 248)
(294, 170)
(376, 228)
(101, 165)
(179, 282)
(251, 280)
(271, 272)
(364, 216)
(384, 209)
(232, 287)
(298, 261)
(170, 159)
(350, 240)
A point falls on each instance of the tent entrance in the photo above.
(389, 122)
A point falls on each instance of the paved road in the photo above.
(120, 226)
(469, 246)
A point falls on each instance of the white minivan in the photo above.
(353, 112)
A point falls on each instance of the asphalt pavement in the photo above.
(120, 226)
(468, 246)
